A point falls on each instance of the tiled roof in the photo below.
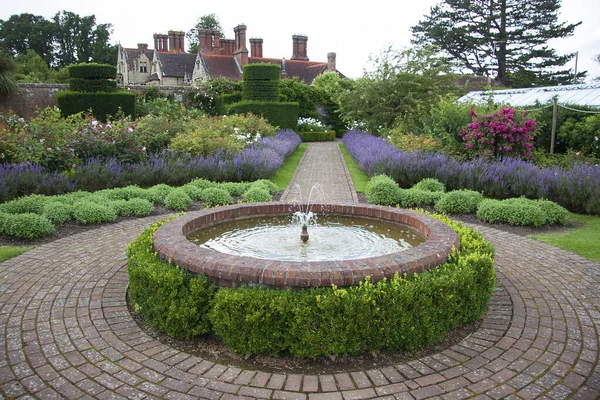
(177, 65)
(132, 54)
(222, 66)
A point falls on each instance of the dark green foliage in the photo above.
(213, 197)
(430, 185)
(58, 213)
(170, 299)
(260, 90)
(382, 190)
(26, 226)
(257, 194)
(224, 100)
(93, 71)
(101, 104)
(90, 212)
(317, 136)
(283, 115)
(178, 200)
(92, 85)
(235, 189)
(267, 184)
(418, 198)
(295, 90)
(262, 72)
(459, 202)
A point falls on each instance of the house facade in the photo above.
(169, 65)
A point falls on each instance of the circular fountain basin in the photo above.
(171, 243)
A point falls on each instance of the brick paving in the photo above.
(65, 332)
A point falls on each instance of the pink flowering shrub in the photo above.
(503, 133)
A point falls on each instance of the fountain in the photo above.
(342, 269)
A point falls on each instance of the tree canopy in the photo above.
(208, 21)
(506, 39)
(66, 39)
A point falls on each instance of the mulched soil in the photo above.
(212, 349)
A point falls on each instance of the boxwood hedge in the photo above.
(405, 312)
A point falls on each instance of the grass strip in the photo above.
(582, 240)
(7, 252)
(359, 178)
(284, 175)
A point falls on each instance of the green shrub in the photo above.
(27, 225)
(267, 184)
(215, 196)
(417, 198)
(4, 217)
(73, 197)
(382, 190)
(459, 202)
(257, 194)
(27, 204)
(555, 214)
(135, 207)
(262, 72)
(101, 104)
(194, 192)
(92, 85)
(317, 136)
(170, 298)
(134, 192)
(511, 211)
(92, 71)
(178, 200)
(260, 90)
(430, 185)
(159, 192)
(58, 213)
(235, 189)
(283, 115)
(88, 212)
(202, 183)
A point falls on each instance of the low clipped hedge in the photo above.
(403, 313)
(262, 72)
(429, 185)
(178, 200)
(89, 212)
(257, 194)
(92, 71)
(92, 85)
(462, 201)
(281, 114)
(522, 211)
(25, 226)
(101, 104)
(260, 90)
(317, 136)
(417, 197)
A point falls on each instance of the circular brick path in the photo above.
(65, 332)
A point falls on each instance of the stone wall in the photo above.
(33, 96)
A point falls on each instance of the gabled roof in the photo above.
(132, 54)
(177, 65)
(222, 66)
(582, 95)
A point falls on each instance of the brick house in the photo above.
(169, 65)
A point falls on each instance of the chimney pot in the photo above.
(299, 47)
(331, 62)
(256, 47)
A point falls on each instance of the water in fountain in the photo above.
(304, 217)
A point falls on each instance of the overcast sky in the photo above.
(353, 32)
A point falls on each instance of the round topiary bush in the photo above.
(269, 185)
(137, 207)
(194, 192)
(27, 226)
(235, 189)
(555, 213)
(202, 183)
(88, 212)
(120, 207)
(430, 185)
(58, 213)
(257, 194)
(178, 200)
(382, 190)
(159, 192)
(417, 198)
(213, 197)
(459, 202)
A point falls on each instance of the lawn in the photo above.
(584, 239)
(7, 252)
(359, 178)
(284, 175)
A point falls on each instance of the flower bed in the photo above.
(576, 188)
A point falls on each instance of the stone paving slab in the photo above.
(323, 168)
(65, 332)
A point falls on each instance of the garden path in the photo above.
(322, 167)
(65, 332)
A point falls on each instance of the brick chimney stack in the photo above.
(172, 46)
(204, 41)
(241, 51)
(216, 36)
(256, 47)
(142, 46)
(182, 41)
(331, 62)
(299, 47)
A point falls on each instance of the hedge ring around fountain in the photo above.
(227, 270)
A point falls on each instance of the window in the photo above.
(143, 67)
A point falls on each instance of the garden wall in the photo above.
(33, 96)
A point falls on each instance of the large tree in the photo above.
(24, 32)
(506, 39)
(208, 21)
